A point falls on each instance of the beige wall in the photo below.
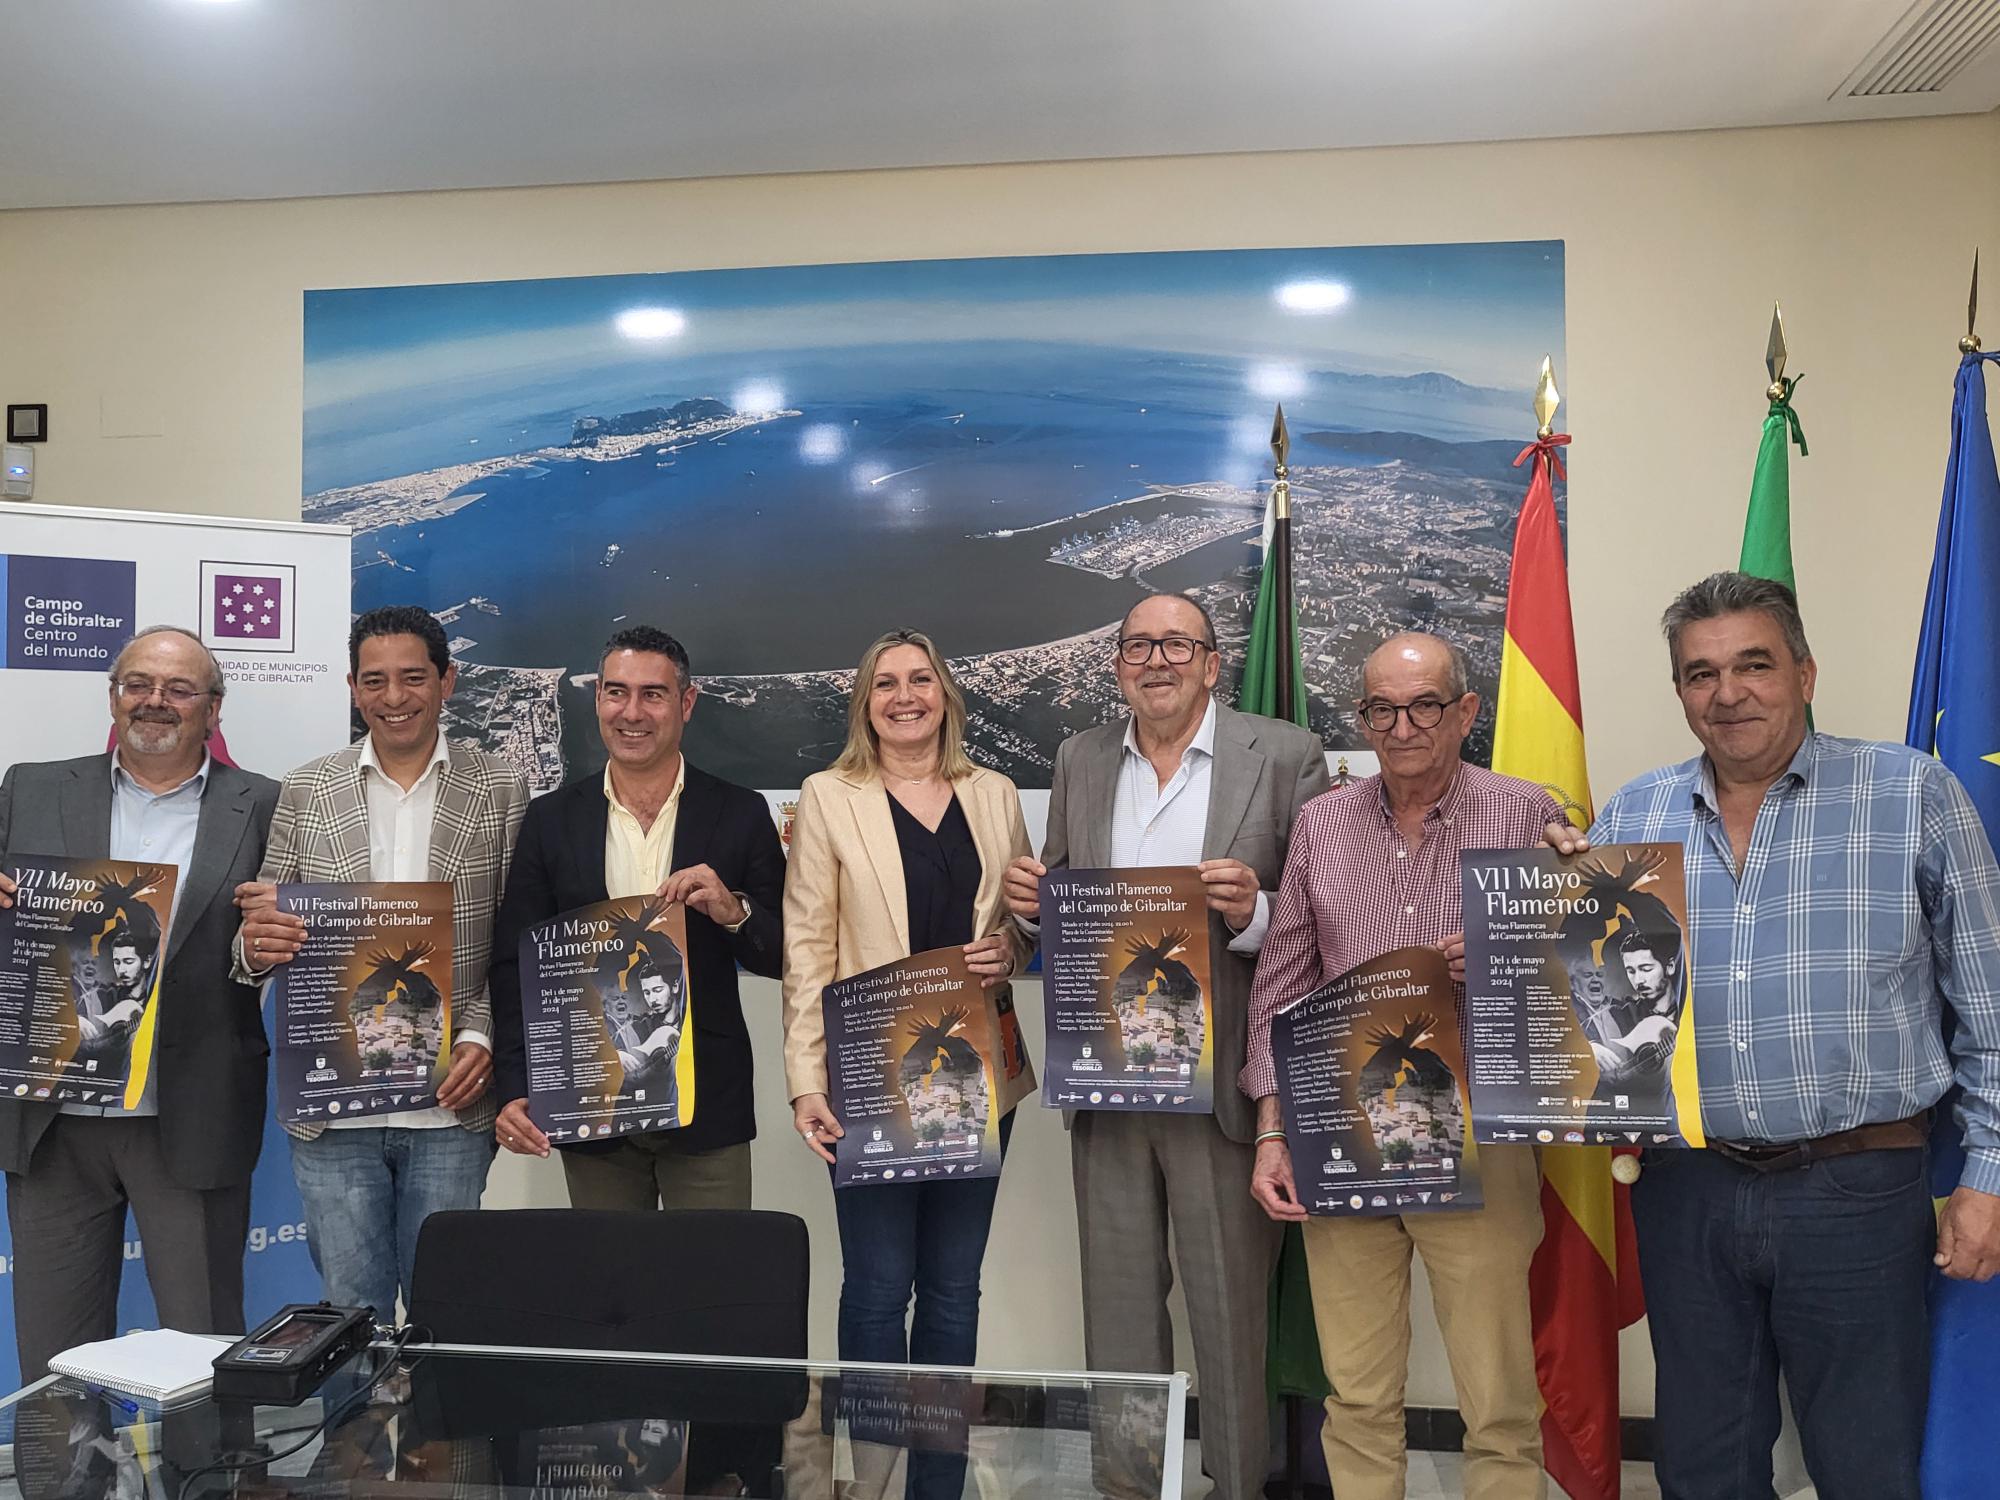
(184, 322)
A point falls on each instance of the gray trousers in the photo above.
(67, 1216)
(1136, 1175)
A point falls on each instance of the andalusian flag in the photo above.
(1274, 676)
(1584, 1285)
(1955, 715)
(1767, 525)
(1274, 684)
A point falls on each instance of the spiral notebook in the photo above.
(154, 1364)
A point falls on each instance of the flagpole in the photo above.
(1281, 554)
(1955, 716)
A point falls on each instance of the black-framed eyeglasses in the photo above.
(1175, 650)
(1380, 716)
(139, 689)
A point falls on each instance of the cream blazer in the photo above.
(847, 909)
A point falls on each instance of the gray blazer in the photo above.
(211, 1052)
(320, 833)
(1265, 771)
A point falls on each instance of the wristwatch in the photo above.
(737, 926)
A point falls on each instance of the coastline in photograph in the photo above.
(1007, 454)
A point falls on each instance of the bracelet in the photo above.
(1270, 1135)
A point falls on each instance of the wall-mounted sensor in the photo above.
(17, 472)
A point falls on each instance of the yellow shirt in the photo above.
(636, 859)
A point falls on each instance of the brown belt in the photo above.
(1765, 1156)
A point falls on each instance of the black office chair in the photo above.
(694, 1281)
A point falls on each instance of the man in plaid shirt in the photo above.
(1374, 867)
(1841, 894)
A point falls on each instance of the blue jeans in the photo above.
(926, 1239)
(1818, 1272)
(368, 1191)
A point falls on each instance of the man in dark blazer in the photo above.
(1180, 781)
(181, 1156)
(651, 823)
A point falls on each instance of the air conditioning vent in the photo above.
(1928, 48)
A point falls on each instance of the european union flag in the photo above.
(1955, 714)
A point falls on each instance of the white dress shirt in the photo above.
(399, 848)
(1153, 824)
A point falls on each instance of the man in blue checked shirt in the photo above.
(1843, 900)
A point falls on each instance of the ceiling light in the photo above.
(1274, 382)
(1312, 296)
(651, 322)
(822, 443)
(758, 395)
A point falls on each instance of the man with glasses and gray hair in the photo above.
(180, 1158)
(1180, 781)
(1374, 867)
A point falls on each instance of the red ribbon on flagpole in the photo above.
(1549, 447)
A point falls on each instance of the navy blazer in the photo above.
(559, 865)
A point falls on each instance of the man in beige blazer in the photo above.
(1182, 781)
(403, 804)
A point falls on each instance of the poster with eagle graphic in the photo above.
(1129, 1013)
(914, 1072)
(1371, 1078)
(80, 955)
(362, 1015)
(606, 1010)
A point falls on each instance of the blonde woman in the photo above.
(899, 847)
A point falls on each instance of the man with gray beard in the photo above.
(180, 1157)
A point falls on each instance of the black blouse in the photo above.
(941, 873)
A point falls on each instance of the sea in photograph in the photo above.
(777, 509)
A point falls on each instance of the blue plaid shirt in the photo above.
(1868, 901)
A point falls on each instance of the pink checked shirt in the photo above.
(1353, 890)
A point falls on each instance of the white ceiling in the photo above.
(124, 101)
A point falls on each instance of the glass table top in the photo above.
(466, 1421)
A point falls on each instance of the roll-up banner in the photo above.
(271, 599)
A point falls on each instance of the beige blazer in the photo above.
(847, 909)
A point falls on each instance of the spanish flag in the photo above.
(1584, 1285)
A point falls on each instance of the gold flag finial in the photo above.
(1970, 343)
(1547, 398)
(1774, 355)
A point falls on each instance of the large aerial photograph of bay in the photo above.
(778, 464)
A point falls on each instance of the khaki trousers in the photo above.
(1478, 1267)
(643, 1172)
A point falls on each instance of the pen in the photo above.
(124, 1403)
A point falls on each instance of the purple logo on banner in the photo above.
(66, 614)
(249, 606)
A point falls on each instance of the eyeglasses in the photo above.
(1425, 713)
(139, 689)
(1176, 650)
